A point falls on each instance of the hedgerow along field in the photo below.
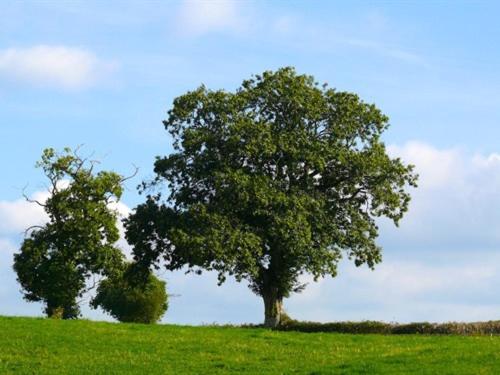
(47, 346)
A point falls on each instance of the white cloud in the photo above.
(198, 17)
(404, 291)
(120, 208)
(437, 168)
(16, 216)
(457, 203)
(123, 211)
(415, 278)
(53, 66)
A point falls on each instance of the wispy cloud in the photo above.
(374, 36)
(198, 17)
(385, 50)
(53, 66)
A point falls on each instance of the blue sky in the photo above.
(104, 74)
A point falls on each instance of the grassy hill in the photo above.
(44, 346)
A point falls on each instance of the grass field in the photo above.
(41, 346)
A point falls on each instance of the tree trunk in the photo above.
(55, 312)
(273, 307)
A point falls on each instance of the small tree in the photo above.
(128, 300)
(57, 260)
(279, 178)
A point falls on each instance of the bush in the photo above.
(369, 327)
(130, 301)
(337, 327)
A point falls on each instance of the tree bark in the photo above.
(55, 312)
(273, 307)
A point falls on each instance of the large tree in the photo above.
(57, 260)
(280, 178)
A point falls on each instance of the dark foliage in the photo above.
(130, 301)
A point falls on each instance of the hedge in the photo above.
(370, 327)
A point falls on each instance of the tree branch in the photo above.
(28, 199)
(32, 228)
(136, 170)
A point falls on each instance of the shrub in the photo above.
(337, 327)
(369, 327)
(129, 301)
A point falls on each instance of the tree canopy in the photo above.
(279, 178)
(57, 260)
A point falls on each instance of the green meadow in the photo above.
(45, 346)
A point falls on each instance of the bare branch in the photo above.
(136, 170)
(28, 199)
(77, 149)
(33, 227)
(95, 282)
